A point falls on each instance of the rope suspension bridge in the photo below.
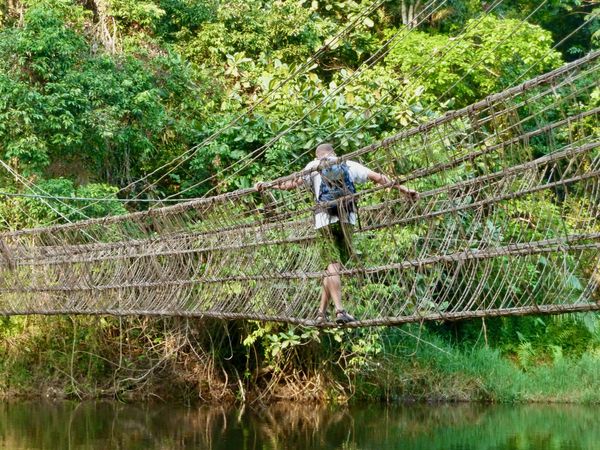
(507, 224)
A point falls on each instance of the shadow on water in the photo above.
(103, 425)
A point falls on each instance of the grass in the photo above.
(438, 371)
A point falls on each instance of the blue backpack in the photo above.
(336, 183)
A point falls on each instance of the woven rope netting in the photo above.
(507, 223)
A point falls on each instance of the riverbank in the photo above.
(236, 362)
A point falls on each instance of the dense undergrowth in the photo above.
(555, 359)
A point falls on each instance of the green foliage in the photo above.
(594, 18)
(136, 13)
(32, 212)
(182, 17)
(561, 17)
(492, 55)
(78, 121)
(262, 30)
(45, 49)
(92, 112)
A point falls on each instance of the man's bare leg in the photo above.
(324, 298)
(332, 288)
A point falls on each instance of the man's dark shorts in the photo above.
(336, 244)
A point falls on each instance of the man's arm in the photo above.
(384, 180)
(287, 185)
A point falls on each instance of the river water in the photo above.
(111, 425)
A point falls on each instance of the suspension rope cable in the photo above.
(75, 198)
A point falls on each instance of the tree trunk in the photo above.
(103, 32)
(15, 8)
(409, 12)
(417, 10)
(404, 12)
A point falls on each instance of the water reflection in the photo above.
(103, 425)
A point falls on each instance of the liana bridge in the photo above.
(507, 224)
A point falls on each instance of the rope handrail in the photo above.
(190, 238)
(531, 248)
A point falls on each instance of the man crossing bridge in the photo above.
(332, 182)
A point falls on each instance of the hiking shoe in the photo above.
(321, 318)
(342, 317)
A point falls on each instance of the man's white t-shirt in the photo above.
(358, 174)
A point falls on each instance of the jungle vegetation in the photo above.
(97, 97)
